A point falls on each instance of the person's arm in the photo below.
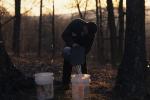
(67, 35)
(89, 42)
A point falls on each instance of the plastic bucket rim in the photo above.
(80, 79)
(88, 75)
(43, 74)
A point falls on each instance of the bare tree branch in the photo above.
(22, 14)
(85, 9)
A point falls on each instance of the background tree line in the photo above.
(37, 34)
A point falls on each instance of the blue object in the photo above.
(77, 55)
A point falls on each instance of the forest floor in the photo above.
(102, 77)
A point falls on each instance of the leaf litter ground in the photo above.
(102, 77)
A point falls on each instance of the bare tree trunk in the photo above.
(100, 40)
(85, 9)
(82, 15)
(1, 28)
(53, 32)
(16, 33)
(121, 28)
(130, 84)
(98, 31)
(40, 29)
(113, 32)
(101, 35)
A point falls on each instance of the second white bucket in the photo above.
(80, 86)
(44, 83)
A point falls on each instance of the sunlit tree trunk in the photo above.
(130, 83)
(16, 33)
(113, 32)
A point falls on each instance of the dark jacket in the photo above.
(74, 34)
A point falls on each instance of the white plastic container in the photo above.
(80, 86)
(44, 83)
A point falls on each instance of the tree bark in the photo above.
(130, 84)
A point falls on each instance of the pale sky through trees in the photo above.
(61, 6)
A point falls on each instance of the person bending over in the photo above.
(77, 33)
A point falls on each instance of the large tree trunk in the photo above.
(130, 84)
(16, 33)
(113, 32)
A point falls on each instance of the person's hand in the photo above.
(75, 45)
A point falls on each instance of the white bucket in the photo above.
(44, 83)
(80, 86)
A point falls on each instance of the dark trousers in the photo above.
(67, 69)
